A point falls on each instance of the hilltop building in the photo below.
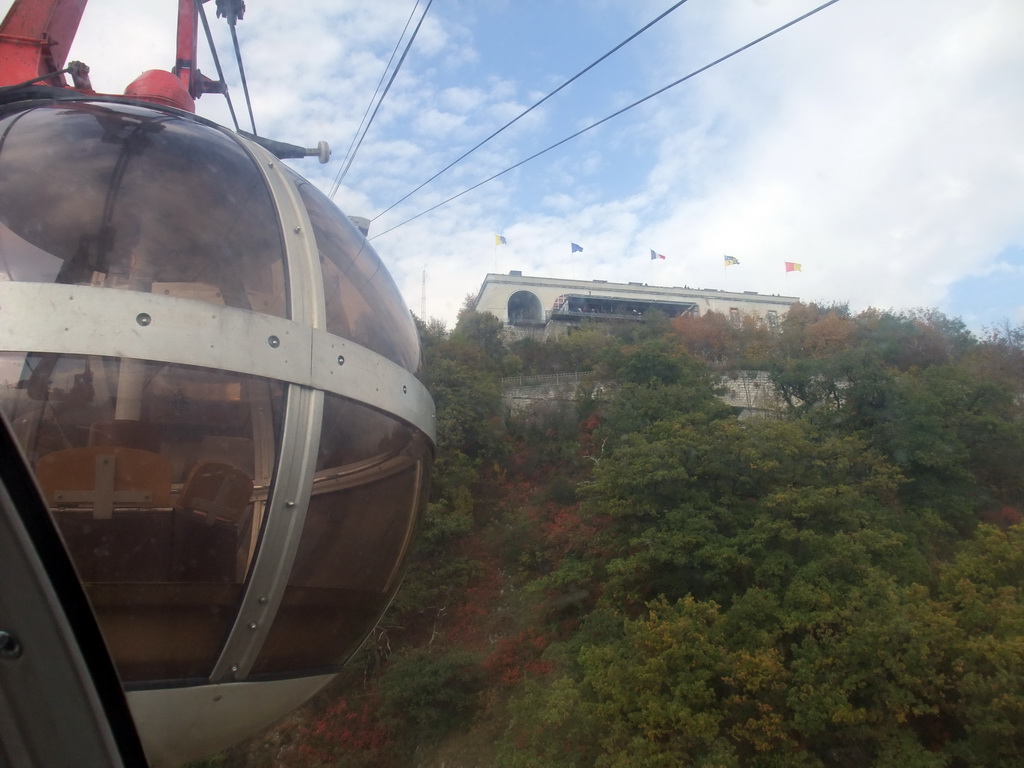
(551, 306)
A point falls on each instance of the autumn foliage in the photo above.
(647, 577)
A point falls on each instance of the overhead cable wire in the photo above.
(216, 61)
(369, 105)
(533, 107)
(603, 120)
(348, 164)
(48, 75)
(241, 73)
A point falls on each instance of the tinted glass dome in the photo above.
(214, 378)
(125, 197)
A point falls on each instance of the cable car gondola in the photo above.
(214, 381)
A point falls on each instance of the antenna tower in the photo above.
(423, 297)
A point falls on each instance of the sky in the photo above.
(878, 143)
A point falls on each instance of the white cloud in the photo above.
(439, 124)
(878, 143)
(462, 99)
(882, 167)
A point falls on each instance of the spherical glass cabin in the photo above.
(215, 380)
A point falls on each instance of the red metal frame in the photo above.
(185, 59)
(195, 82)
(36, 34)
(35, 37)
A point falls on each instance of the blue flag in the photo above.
(576, 248)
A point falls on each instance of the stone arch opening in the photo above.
(524, 307)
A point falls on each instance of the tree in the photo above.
(983, 592)
(713, 509)
(710, 337)
(426, 694)
(482, 335)
(653, 363)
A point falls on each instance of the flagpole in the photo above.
(573, 247)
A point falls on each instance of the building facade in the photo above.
(553, 305)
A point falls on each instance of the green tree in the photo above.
(984, 592)
(425, 694)
(484, 333)
(715, 509)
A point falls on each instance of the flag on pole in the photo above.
(576, 248)
(500, 240)
(792, 266)
(656, 255)
(731, 261)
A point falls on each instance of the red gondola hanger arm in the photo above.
(35, 37)
(195, 82)
(185, 55)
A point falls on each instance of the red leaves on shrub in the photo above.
(342, 729)
(517, 657)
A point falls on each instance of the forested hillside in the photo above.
(649, 580)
